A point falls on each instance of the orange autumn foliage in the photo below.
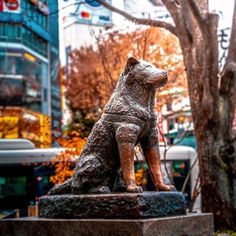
(95, 70)
(65, 161)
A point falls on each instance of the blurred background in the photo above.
(59, 63)
(60, 60)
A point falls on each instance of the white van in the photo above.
(181, 163)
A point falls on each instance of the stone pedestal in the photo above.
(188, 225)
(113, 206)
(138, 214)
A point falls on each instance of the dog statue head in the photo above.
(144, 73)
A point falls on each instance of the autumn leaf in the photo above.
(65, 161)
(95, 70)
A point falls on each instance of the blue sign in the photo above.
(93, 3)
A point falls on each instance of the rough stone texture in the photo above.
(128, 119)
(113, 206)
(189, 225)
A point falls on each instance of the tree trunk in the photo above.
(212, 115)
(212, 106)
(212, 97)
(218, 177)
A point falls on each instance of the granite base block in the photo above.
(188, 225)
(113, 206)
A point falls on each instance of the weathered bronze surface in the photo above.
(128, 119)
(113, 206)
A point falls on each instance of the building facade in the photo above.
(29, 60)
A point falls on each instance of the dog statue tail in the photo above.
(64, 188)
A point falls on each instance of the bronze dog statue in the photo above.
(128, 119)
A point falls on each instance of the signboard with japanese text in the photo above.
(223, 40)
(13, 6)
(86, 12)
(225, 13)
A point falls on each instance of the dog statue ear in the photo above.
(131, 61)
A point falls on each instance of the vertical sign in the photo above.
(68, 61)
(56, 114)
(223, 40)
(225, 13)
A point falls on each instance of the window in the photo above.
(12, 186)
(45, 94)
(11, 64)
(11, 92)
(30, 10)
(171, 124)
(34, 41)
(2, 31)
(10, 32)
(24, 81)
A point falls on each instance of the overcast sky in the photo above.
(223, 8)
(226, 7)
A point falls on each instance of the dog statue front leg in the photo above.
(126, 136)
(126, 151)
(152, 155)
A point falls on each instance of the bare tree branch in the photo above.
(141, 21)
(105, 64)
(177, 10)
(196, 11)
(174, 9)
(189, 11)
